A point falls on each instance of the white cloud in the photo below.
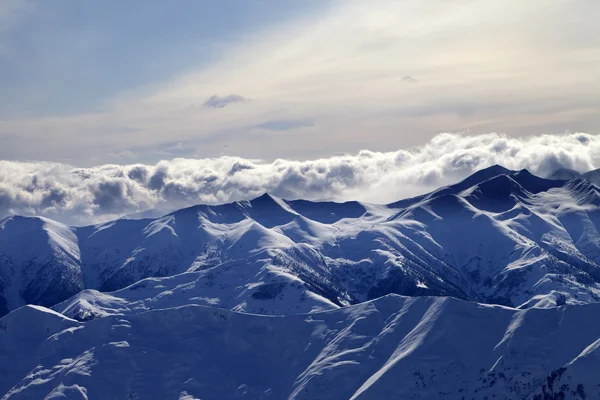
(85, 195)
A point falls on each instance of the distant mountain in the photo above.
(390, 348)
(567, 174)
(499, 236)
(564, 174)
(593, 176)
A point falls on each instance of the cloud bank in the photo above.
(89, 195)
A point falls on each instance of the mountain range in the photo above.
(461, 292)
(392, 347)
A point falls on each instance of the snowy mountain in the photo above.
(391, 347)
(566, 174)
(499, 236)
(40, 262)
(276, 299)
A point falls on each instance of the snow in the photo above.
(296, 299)
(499, 236)
(439, 348)
(39, 262)
(67, 392)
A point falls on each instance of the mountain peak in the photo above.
(483, 175)
(495, 169)
(593, 176)
(477, 177)
(268, 210)
(533, 183)
(264, 198)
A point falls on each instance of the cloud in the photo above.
(86, 195)
(410, 79)
(176, 149)
(215, 101)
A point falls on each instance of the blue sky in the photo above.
(70, 57)
(88, 83)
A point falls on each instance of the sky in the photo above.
(205, 87)
(88, 83)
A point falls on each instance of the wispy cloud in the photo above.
(215, 101)
(179, 149)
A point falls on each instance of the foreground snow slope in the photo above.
(499, 236)
(391, 347)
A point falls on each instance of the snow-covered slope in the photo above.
(40, 262)
(592, 176)
(499, 236)
(266, 283)
(392, 347)
(273, 299)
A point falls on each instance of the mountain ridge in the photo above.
(524, 241)
(567, 174)
(488, 288)
(439, 347)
